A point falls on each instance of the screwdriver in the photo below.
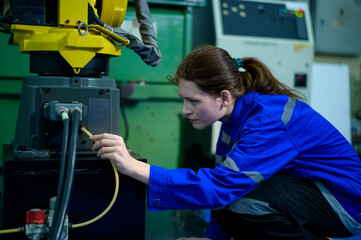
(83, 129)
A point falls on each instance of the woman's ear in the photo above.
(226, 98)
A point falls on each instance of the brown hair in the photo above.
(212, 69)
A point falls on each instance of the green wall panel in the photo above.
(13, 64)
(8, 121)
(13, 67)
(154, 130)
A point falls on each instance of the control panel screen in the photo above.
(258, 19)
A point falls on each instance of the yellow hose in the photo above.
(109, 206)
(14, 230)
(116, 175)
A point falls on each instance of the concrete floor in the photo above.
(172, 224)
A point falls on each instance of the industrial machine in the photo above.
(52, 179)
(279, 33)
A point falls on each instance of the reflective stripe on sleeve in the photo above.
(255, 176)
(287, 111)
(230, 164)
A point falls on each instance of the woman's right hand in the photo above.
(112, 147)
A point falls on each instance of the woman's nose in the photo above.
(186, 110)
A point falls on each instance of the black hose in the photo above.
(98, 21)
(69, 174)
(61, 174)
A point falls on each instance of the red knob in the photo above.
(35, 216)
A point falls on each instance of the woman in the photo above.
(282, 171)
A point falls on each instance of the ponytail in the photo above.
(257, 77)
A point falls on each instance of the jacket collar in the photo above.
(239, 115)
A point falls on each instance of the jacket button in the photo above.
(157, 201)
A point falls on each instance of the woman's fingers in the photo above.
(107, 143)
(111, 149)
(109, 156)
(98, 137)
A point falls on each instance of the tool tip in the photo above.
(83, 129)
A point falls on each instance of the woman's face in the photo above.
(201, 108)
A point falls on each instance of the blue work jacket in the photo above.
(266, 135)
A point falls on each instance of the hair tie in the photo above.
(238, 61)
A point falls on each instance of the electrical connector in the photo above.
(63, 112)
(56, 111)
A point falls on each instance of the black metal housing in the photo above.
(31, 183)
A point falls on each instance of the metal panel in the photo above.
(337, 26)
